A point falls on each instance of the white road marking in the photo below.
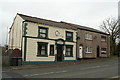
(90, 67)
(94, 67)
(26, 75)
(60, 71)
(98, 66)
(117, 63)
(104, 65)
(46, 73)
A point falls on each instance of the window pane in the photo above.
(69, 38)
(88, 50)
(69, 34)
(43, 47)
(88, 36)
(103, 38)
(68, 53)
(51, 49)
(42, 35)
(68, 49)
(42, 30)
(39, 47)
(42, 52)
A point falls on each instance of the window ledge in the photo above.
(89, 39)
(89, 52)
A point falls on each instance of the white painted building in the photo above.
(42, 40)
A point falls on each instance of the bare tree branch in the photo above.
(112, 27)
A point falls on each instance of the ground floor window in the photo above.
(88, 49)
(69, 51)
(51, 50)
(103, 51)
(42, 49)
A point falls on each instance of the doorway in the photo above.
(98, 51)
(80, 51)
(59, 52)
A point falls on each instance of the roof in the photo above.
(57, 24)
(84, 28)
(45, 22)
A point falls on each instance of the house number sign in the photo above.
(60, 42)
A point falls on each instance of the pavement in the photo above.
(58, 64)
(101, 68)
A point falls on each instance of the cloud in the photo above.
(84, 13)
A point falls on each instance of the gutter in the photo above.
(94, 31)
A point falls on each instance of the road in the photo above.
(107, 69)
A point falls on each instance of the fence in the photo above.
(12, 58)
(6, 57)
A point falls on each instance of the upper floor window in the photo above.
(88, 36)
(103, 38)
(103, 51)
(88, 49)
(69, 36)
(43, 32)
(69, 51)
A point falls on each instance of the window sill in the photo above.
(89, 39)
(42, 56)
(88, 52)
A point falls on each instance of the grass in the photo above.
(5, 65)
(114, 56)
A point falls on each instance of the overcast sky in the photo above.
(88, 13)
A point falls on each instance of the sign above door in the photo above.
(60, 41)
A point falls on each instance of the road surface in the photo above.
(107, 69)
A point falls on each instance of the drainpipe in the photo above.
(23, 25)
(77, 38)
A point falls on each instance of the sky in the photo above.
(88, 13)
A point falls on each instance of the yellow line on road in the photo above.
(115, 77)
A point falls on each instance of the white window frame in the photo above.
(103, 39)
(104, 51)
(88, 36)
(88, 49)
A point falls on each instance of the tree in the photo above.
(112, 27)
